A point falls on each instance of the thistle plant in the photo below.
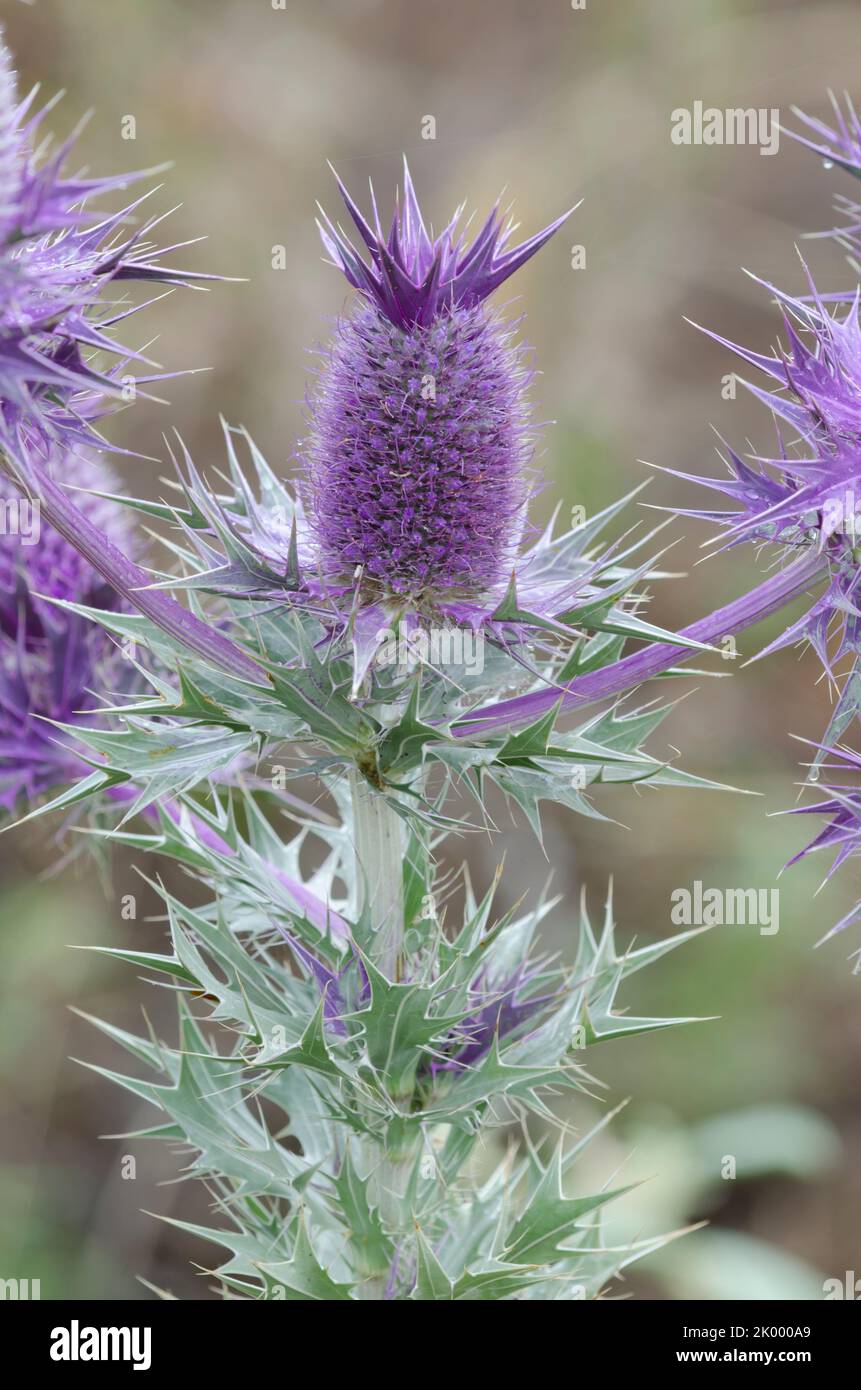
(355, 1043)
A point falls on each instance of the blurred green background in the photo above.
(555, 104)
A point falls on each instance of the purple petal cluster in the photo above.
(496, 1009)
(499, 1010)
(58, 258)
(808, 497)
(342, 991)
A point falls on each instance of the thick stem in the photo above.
(775, 593)
(378, 834)
(379, 840)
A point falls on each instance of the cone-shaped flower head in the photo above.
(52, 662)
(416, 462)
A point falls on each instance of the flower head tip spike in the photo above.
(413, 277)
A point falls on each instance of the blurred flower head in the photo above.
(59, 361)
(52, 661)
(808, 495)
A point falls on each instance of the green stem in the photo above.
(379, 842)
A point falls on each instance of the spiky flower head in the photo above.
(409, 512)
(416, 461)
(52, 661)
(806, 497)
(58, 364)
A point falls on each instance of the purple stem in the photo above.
(133, 583)
(650, 661)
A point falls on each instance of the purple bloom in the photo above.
(415, 465)
(411, 505)
(818, 374)
(57, 258)
(808, 498)
(343, 991)
(495, 1008)
(416, 461)
(51, 661)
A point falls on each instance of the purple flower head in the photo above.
(409, 511)
(57, 258)
(415, 464)
(51, 661)
(807, 497)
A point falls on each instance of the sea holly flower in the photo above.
(415, 465)
(53, 662)
(307, 608)
(500, 1010)
(422, 392)
(269, 546)
(807, 499)
(410, 505)
(59, 258)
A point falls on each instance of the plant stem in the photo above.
(379, 840)
(378, 833)
(767, 598)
